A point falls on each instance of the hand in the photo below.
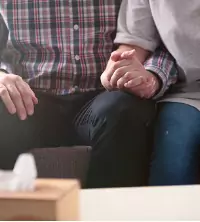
(110, 68)
(146, 90)
(134, 77)
(114, 63)
(17, 95)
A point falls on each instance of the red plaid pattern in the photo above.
(60, 46)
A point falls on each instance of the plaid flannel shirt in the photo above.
(62, 46)
(164, 66)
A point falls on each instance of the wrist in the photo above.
(123, 48)
(158, 82)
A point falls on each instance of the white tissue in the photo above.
(23, 176)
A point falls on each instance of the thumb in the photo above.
(131, 55)
(115, 56)
(128, 54)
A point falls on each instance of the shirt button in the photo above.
(77, 57)
(76, 27)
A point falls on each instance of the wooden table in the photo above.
(156, 203)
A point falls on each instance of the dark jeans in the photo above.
(115, 124)
(177, 143)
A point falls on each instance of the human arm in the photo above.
(151, 79)
(163, 65)
(16, 94)
(135, 30)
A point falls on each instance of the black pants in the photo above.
(114, 123)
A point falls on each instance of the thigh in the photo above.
(46, 128)
(177, 140)
(53, 119)
(116, 124)
(50, 126)
(16, 136)
(113, 108)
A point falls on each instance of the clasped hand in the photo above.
(125, 72)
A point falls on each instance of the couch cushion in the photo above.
(63, 162)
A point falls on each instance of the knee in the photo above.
(113, 112)
(117, 105)
(111, 104)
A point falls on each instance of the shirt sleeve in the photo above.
(162, 64)
(3, 42)
(136, 25)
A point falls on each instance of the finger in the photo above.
(105, 82)
(115, 56)
(132, 56)
(143, 86)
(124, 67)
(148, 90)
(111, 68)
(5, 97)
(124, 79)
(128, 78)
(128, 54)
(140, 94)
(135, 82)
(143, 91)
(140, 87)
(27, 96)
(137, 74)
(34, 98)
(17, 100)
(107, 86)
(115, 66)
(121, 82)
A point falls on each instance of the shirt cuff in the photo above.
(162, 76)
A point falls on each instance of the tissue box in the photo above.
(51, 200)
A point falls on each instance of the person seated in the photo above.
(142, 25)
(51, 93)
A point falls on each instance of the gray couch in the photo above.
(63, 162)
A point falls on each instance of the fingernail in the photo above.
(142, 95)
(13, 111)
(30, 112)
(23, 116)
